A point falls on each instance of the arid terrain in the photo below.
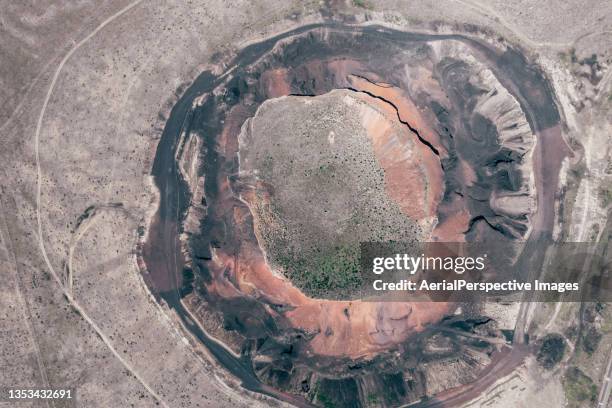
(186, 186)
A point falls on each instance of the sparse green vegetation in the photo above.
(605, 196)
(590, 339)
(551, 351)
(323, 272)
(594, 232)
(362, 4)
(590, 334)
(325, 400)
(267, 165)
(579, 387)
(319, 199)
(572, 55)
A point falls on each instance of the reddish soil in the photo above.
(408, 179)
(408, 112)
(550, 151)
(342, 328)
(413, 178)
(275, 83)
(453, 227)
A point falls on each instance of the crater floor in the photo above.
(321, 174)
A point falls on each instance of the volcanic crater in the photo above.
(317, 140)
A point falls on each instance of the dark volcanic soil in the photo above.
(466, 119)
